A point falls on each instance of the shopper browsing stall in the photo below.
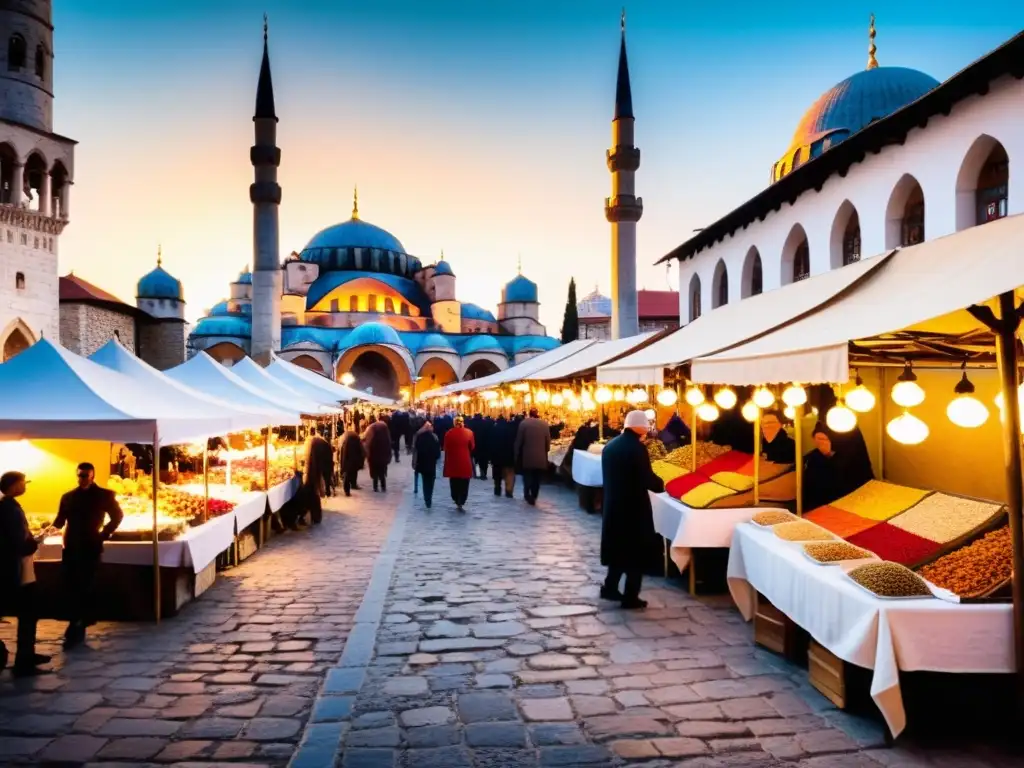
(350, 458)
(377, 444)
(458, 461)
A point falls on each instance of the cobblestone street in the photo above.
(401, 636)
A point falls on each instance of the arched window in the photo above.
(404, 309)
(694, 298)
(19, 280)
(16, 53)
(40, 62)
(912, 228)
(371, 303)
(798, 158)
(851, 240)
(801, 262)
(721, 286)
(993, 182)
(389, 306)
(353, 304)
(756, 281)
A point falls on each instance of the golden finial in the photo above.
(519, 267)
(355, 202)
(623, 20)
(265, 25)
(159, 255)
(872, 48)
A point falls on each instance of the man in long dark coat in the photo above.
(350, 458)
(377, 445)
(319, 470)
(628, 525)
(501, 450)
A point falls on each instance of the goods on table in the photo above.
(177, 509)
(842, 523)
(248, 474)
(976, 569)
(834, 551)
(895, 544)
(773, 517)
(878, 500)
(890, 580)
(666, 471)
(596, 448)
(656, 449)
(944, 518)
(801, 530)
(706, 452)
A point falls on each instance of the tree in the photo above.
(571, 321)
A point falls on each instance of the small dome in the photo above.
(227, 309)
(534, 344)
(475, 312)
(434, 341)
(520, 289)
(443, 268)
(158, 284)
(219, 309)
(229, 325)
(373, 333)
(355, 233)
(244, 278)
(481, 343)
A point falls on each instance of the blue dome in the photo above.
(230, 325)
(520, 289)
(481, 343)
(355, 233)
(443, 268)
(430, 341)
(474, 312)
(328, 281)
(220, 308)
(533, 343)
(244, 278)
(158, 284)
(374, 333)
(224, 309)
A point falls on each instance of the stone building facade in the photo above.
(658, 310)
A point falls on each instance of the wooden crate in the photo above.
(205, 579)
(773, 629)
(828, 673)
(247, 544)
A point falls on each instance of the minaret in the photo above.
(265, 195)
(623, 209)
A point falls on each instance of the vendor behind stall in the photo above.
(776, 446)
(675, 434)
(838, 465)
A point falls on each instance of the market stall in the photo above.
(320, 404)
(315, 386)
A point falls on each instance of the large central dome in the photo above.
(355, 233)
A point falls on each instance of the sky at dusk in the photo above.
(476, 127)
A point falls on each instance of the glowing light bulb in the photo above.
(860, 398)
(906, 392)
(667, 397)
(694, 396)
(574, 405)
(907, 429)
(840, 419)
(707, 412)
(637, 396)
(508, 402)
(763, 398)
(620, 395)
(789, 412)
(557, 399)
(543, 396)
(966, 410)
(725, 398)
(794, 395)
(749, 411)
(603, 395)
(650, 414)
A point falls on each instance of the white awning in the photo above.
(731, 324)
(252, 372)
(204, 373)
(921, 288)
(300, 378)
(590, 357)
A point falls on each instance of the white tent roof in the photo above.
(922, 288)
(170, 392)
(517, 372)
(590, 357)
(204, 373)
(49, 392)
(252, 372)
(289, 373)
(732, 324)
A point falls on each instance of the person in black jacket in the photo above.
(350, 459)
(628, 526)
(839, 465)
(426, 452)
(83, 511)
(398, 427)
(17, 576)
(501, 448)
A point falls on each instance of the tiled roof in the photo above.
(74, 288)
(657, 303)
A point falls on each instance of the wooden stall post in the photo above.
(295, 449)
(798, 420)
(757, 457)
(156, 540)
(266, 482)
(206, 480)
(693, 438)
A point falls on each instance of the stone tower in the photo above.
(623, 209)
(36, 171)
(265, 195)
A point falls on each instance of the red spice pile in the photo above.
(896, 545)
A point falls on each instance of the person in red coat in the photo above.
(458, 461)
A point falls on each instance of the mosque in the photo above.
(354, 300)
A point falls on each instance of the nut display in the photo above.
(976, 569)
(801, 530)
(706, 452)
(834, 551)
(656, 449)
(667, 472)
(943, 518)
(773, 517)
(890, 580)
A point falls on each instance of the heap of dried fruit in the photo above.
(656, 449)
(834, 551)
(801, 530)
(683, 456)
(890, 580)
(975, 569)
(772, 517)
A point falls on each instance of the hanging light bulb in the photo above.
(860, 398)
(965, 410)
(557, 399)
(650, 414)
(543, 396)
(527, 398)
(707, 412)
(463, 398)
(789, 412)
(588, 402)
(567, 394)
(840, 419)
(637, 396)
(906, 392)
(620, 395)
(749, 411)
(603, 395)
(694, 396)
(725, 398)
(907, 429)
(794, 395)
(574, 405)
(667, 397)
(763, 398)
(509, 401)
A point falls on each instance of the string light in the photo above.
(637, 396)
(840, 419)
(789, 412)
(620, 395)
(725, 398)
(603, 395)
(763, 398)
(694, 396)
(906, 392)
(965, 410)
(707, 412)
(749, 411)
(557, 400)
(667, 397)
(860, 398)
(543, 396)
(907, 429)
(794, 395)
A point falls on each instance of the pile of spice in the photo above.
(878, 500)
(842, 523)
(976, 569)
(834, 551)
(890, 580)
(895, 544)
(801, 530)
(773, 517)
(656, 450)
(944, 518)
(667, 472)
(706, 452)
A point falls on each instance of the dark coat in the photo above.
(319, 465)
(399, 424)
(533, 441)
(426, 451)
(827, 478)
(377, 443)
(442, 424)
(16, 542)
(501, 448)
(628, 526)
(351, 454)
(781, 450)
(83, 511)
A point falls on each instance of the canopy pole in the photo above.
(799, 439)
(881, 424)
(295, 450)
(1006, 355)
(266, 460)
(757, 458)
(156, 541)
(206, 480)
(600, 422)
(693, 438)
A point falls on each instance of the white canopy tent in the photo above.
(50, 392)
(596, 354)
(252, 372)
(732, 324)
(921, 289)
(289, 374)
(204, 373)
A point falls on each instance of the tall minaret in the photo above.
(265, 195)
(623, 209)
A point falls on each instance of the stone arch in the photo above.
(308, 362)
(796, 256)
(983, 183)
(904, 214)
(436, 372)
(479, 368)
(226, 352)
(16, 337)
(17, 51)
(378, 366)
(8, 159)
(752, 277)
(36, 167)
(720, 286)
(693, 292)
(844, 241)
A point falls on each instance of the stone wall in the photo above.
(85, 328)
(162, 343)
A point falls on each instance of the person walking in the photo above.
(502, 454)
(628, 525)
(377, 445)
(398, 426)
(319, 468)
(350, 460)
(18, 577)
(83, 511)
(426, 452)
(533, 441)
(458, 461)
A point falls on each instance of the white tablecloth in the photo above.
(249, 510)
(280, 494)
(686, 527)
(586, 469)
(884, 635)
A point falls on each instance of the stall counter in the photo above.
(586, 469)
(280, 494)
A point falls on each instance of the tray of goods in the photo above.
(976, 572)
(835, 553)
(889, 581)
(801, 530)
(879, 500)
(773, 517)
(706, 452)
(656, 449)
(945, 518)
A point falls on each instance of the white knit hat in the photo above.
(637, 419)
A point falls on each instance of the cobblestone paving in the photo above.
(232, 678)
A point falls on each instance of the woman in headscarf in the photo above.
(838, 465)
